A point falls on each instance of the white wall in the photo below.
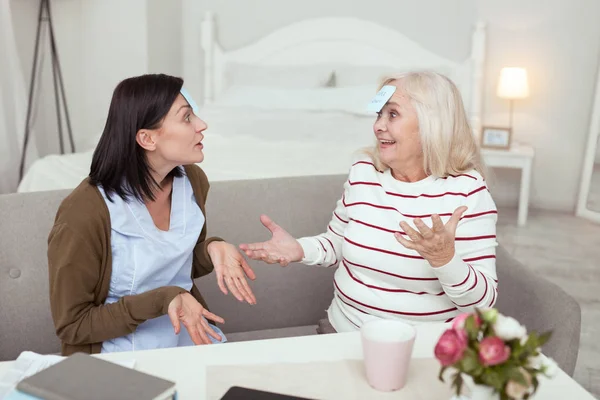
(164, 37)
(557, 41)
(99, 42)
(445, 31)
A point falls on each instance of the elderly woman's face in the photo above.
(179, 138)
(397, 132)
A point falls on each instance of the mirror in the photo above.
(588, 205)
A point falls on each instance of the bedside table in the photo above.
(519, 156)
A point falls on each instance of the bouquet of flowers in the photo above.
(493, 351)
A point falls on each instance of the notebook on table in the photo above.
(82, 376)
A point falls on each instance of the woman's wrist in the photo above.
(445, 259)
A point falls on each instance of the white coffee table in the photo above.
(187, 366)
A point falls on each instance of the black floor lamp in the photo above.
(44, 16)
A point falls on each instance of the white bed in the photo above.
(292, 103)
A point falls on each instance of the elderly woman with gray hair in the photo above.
(414, 232)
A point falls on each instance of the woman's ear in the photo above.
(146, 139)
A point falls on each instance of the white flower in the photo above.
(536, 362)
(551, 367)
(508, 328)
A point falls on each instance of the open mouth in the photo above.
(387, 142)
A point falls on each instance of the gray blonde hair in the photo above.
(449, 146)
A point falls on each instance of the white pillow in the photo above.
(309, 76)
(358, 75)
(352, 100)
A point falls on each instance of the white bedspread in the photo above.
(243, 144)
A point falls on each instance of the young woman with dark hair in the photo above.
(128, 242)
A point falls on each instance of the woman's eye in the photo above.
(393, 114)
(378, 114)
(187, 118)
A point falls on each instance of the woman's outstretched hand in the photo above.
(185, 309)
(435, 244)
(281, 249)
(232, 269)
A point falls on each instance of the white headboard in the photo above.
(343, 41)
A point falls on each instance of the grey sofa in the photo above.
(290, 300)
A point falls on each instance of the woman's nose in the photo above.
(379, 125)
(200, 125)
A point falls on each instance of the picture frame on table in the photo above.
(494, 137)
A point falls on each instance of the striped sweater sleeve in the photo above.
(325, 250)
(469, 279)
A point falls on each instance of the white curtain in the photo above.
(13, 106)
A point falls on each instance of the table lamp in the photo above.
(512, 85)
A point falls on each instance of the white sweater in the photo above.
(380, 278)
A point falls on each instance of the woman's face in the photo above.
(178, 140)
(397, 132)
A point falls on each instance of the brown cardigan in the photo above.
(80, 265)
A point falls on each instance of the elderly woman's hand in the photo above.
(230, 267)
(185, 309)
(435, 244)
(281, 249)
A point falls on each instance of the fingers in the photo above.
(455, 219)
(268, 223)
(211, 316)
(437, 224)
(252, 246)
(245, 290)
(221, 283)
(412, 234)
(174, 321)
(407, 243)
(233, 288)
(425, 231)
(247, 269)
(195, 335)
(208, 329)
(261, 255)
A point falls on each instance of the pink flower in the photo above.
(459, 321)
(450, 347)
(493, 351)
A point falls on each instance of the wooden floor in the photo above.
(566, 250)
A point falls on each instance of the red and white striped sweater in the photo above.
(380, 278)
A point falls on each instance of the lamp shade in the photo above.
(513, 83)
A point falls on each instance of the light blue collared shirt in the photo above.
(145, 258)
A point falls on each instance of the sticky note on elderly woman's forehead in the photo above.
(381, 98)
(188, 97)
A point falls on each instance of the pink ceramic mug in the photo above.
(387, 350)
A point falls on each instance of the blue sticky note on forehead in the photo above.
(190, 100)
(381, 98)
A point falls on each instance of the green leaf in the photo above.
(544, 337)
(493, 379)
(477, 371)
(517, 376)
(471, 328)
(470, 361)
(458, 383)
(536, 383)
(440, 376)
